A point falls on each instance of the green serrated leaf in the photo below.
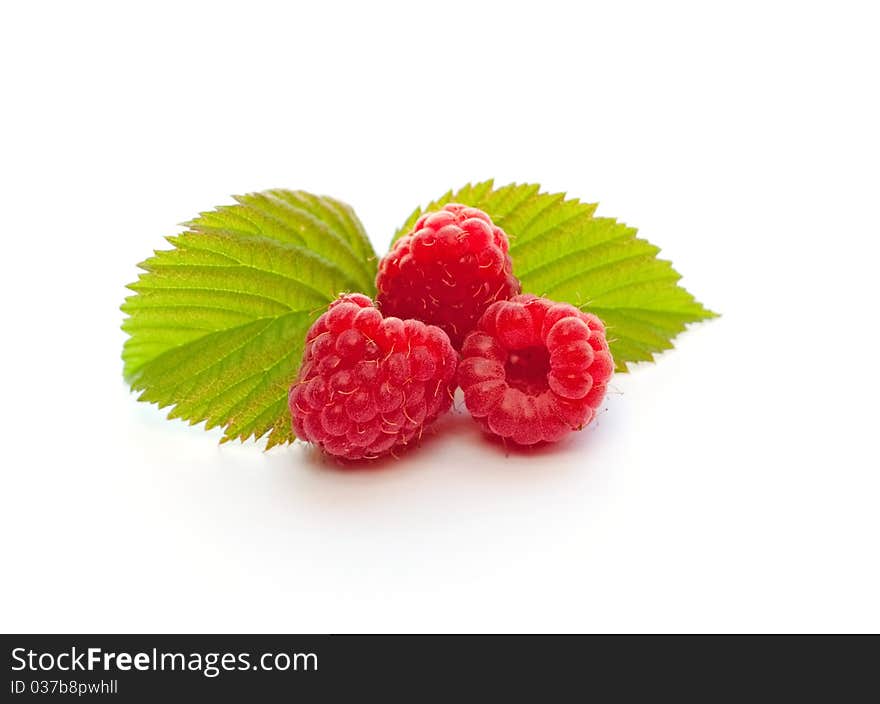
(217, 324)
(561, 251)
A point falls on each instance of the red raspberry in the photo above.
(534, 369)
(369, 384)
(447, 271)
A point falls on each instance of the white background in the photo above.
(731, 486)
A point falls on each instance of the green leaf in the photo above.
(562, 251)
(217, 324)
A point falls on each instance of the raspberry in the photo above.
(447, 271)
(534, 370)
(369, 384)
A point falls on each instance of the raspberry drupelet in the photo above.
(534, 370)
(447, 271)
(368, 384)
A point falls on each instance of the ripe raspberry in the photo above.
(534, 369)
(447, 271)
(368, 384)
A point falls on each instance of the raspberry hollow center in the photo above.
(527, 369)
